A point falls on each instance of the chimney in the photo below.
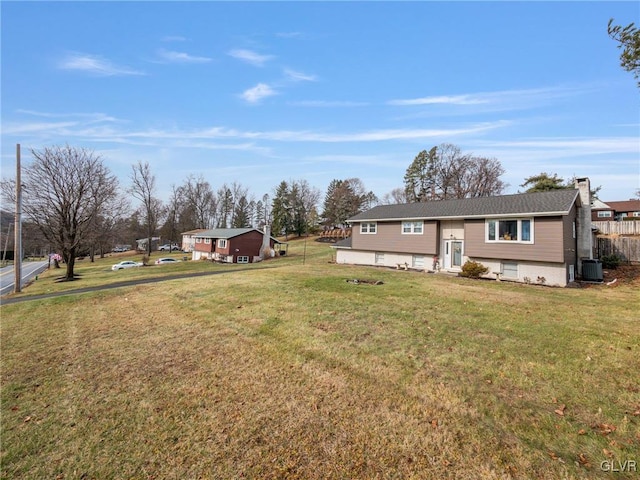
(266, 241)
(584, 247)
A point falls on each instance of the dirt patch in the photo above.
(622, 275)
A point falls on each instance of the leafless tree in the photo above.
(394, 197)
(65, 190)
(199, 199)
(143, 188)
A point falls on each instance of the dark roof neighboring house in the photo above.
(625, 206)
(228, 233)
(555, 202)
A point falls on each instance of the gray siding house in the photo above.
(531, 237)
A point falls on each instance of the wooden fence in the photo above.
(631, 227)
(627, 248)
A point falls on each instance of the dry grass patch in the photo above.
(294, 373)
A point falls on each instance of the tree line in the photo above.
(73, 204)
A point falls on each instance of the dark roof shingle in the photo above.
(553, 202)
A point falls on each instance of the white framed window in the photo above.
(604, 214)
(379, 258)
(222, 243)
(412, 228)
(509, 270)
(243, 259)
(509, 230)
(198, 240)
(635, 214)
(369, 227)
(207, 241)
(417, 261)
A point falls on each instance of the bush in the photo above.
(473, 269)
(610, 261)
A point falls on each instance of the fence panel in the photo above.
(627, 248)
(631, 227)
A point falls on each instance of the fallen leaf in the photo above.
(552, 455)
(434, 423)
(560, 410)
(582, 431)
(607, 453)
(605, 428)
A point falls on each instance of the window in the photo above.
(412, 227)
(222, 243)
(243, 259)
(198, 240)
(207, 241)
(516, 230)
(368, 227)
(417, 261)
(379, 258)
(604, 214)
(510, 270)
(636, 214)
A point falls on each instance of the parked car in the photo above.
(168, 248)
(126, 264)
(162, 261)
(119, 249)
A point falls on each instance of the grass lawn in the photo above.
(292, 372)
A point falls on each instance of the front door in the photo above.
(453, 254)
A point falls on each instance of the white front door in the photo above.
(452, 254)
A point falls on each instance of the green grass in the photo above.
(291, 372)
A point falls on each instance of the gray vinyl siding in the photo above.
(548, 245)
(389, 238)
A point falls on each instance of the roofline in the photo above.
(249, 229)
(464, 217)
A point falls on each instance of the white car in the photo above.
(162, 261)
(126, 264)
(168, 248)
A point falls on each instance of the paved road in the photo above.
(29, 271)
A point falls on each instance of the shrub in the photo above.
(610, 261)
(473, 269)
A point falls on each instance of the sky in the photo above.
(261, 92)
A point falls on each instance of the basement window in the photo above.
(243, 259)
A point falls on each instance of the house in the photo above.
(232, 245)
(530, 237)
(615, 211)
(189, 239)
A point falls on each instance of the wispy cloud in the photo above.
(288, 34)
(257, 93)
(181, 57)
(88, 117)
(174, 38)
(326, 103)
(251, 57)
(519, 97)
(95, 65)
(298, 76)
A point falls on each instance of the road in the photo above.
(29, 271)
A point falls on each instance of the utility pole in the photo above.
(17, 249)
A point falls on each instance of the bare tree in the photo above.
(445, 172)
(200, 199)
(143, 188)
(65, 190)
(395, 197)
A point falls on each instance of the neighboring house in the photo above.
(531, 237)
(189, 239)
(231, 245)
(615, 211)
(141, 244)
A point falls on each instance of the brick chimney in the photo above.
(584, 247)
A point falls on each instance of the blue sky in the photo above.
(261, 92)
